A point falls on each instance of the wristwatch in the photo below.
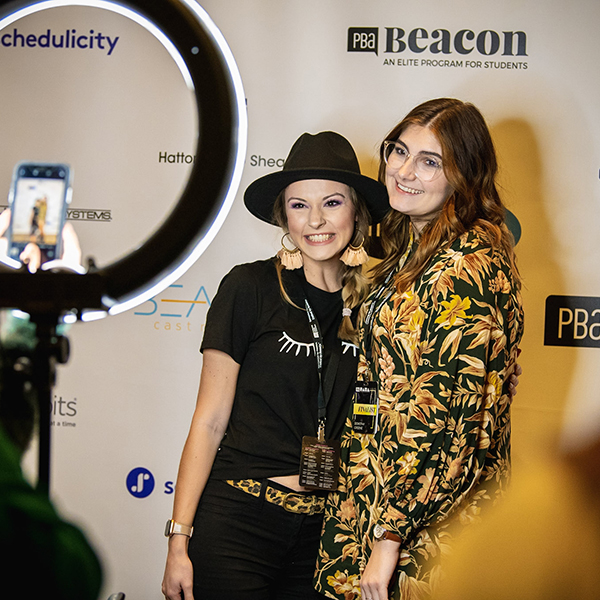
(380, 533)
(174, 527)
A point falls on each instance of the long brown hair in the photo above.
(355, 285)
(470, 166)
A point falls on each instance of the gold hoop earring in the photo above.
(290, 259)
(354, 256)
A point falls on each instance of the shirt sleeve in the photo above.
(232, 318)
(445, 435)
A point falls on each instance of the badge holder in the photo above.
(320, 461)
(365, 408)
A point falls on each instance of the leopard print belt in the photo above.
(309, 504)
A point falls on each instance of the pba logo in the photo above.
(572, 321)
(140, 482)
(363, 39)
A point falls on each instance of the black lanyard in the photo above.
(326, 384)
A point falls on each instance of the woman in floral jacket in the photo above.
(439, 339)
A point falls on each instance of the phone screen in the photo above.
(38, 208)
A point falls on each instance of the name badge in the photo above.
(319, 463)
(365, 408)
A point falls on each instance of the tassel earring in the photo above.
(290, 259)
(355, 256)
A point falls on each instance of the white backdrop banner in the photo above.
(111, 102)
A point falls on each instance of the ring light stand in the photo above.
(207, 65)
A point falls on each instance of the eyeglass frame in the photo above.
(386, 144)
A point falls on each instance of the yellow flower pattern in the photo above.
(345, 585)
(454, 310)
(442, 353)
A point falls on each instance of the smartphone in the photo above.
(38, 199)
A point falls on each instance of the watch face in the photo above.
(168, 528)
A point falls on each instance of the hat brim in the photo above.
(261, 194)
(513, 225)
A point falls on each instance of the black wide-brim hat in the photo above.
(325, 155)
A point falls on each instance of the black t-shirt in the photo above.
(275, 402)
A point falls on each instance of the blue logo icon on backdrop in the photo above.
(140, 482)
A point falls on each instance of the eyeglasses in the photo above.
(426, 167)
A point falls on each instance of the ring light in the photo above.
(209, 70)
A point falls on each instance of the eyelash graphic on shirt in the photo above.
(289, 344)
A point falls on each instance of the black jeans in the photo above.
(245, 548)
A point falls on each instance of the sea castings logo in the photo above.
(572, 321)
(173, 312)
(441, 47)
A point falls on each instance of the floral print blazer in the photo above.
(442, 353)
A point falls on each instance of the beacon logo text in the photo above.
(438, 42)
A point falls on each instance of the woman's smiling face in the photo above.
(420, 200)
(320, 218)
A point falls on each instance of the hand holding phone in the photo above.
(38, 199)
(35, 220)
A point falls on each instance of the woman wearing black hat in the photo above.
(278, 372)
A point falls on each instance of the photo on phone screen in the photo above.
(38, 201)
